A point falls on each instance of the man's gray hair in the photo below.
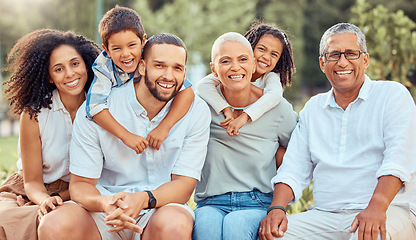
(226, 37)
(342, 28)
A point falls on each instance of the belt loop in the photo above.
(253, 194)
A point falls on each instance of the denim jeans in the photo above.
(231, 215)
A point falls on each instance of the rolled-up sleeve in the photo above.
(194, 149)
(399, 130)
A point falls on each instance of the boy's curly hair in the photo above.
(29, 88)
(285, 66)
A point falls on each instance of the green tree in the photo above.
(319, 15)
(407, 6)
(391, 42)
(197, 22)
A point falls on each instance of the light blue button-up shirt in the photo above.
(96, 153)
(345, 152)
(107, 76)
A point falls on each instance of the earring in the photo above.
(50, 80)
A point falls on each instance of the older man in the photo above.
(357, 142)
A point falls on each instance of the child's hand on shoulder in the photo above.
(157, 136)
(135, 142)
(236, 124)
(229, 116)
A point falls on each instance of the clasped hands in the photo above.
(123, 209)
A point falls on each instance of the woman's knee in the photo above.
(242, 224)
(68, 221)
(208, 222)
(209, 217)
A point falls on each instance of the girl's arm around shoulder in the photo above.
(180, 106)
(207, 90)
(272, 96)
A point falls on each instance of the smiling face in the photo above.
(164, 70)
(267, 53)
(345, 76)
(125, 48)
(67, 70)
(233, 65)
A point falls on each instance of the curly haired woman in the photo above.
(51, 72)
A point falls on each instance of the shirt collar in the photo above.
(138, 109)
(363, 94)
(56, 101)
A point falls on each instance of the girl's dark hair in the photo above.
(28, 88)
(285, 66)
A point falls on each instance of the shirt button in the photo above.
(149, 152)
(150, 172)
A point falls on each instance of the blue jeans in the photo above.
(231, 215)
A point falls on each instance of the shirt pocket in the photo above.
(169, 152)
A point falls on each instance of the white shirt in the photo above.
(345, 152)
(96, 153)
(55, 128)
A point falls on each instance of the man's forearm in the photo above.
(387, 188)
(282, 195)
(86, 194)
(178, 190)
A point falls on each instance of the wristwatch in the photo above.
(152, 200)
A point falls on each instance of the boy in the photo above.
(123, 38)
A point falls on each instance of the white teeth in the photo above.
(128, 63)
(263, 64)
(343, 72)
(73, 83)
(236, 76)
(165, 85)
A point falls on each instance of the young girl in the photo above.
(273, 54)
(51, 72)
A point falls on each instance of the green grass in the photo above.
(8, 156)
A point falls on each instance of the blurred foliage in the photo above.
(199, 22)
(5, 172)
(319, 15)
(8, 156)
(391, 41)
(304, 202)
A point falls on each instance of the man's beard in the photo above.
(153, 90)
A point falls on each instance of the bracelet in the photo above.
(55, 194)
(276, 207)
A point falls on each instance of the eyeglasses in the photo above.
(349, 55)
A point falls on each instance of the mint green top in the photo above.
(247, 161)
